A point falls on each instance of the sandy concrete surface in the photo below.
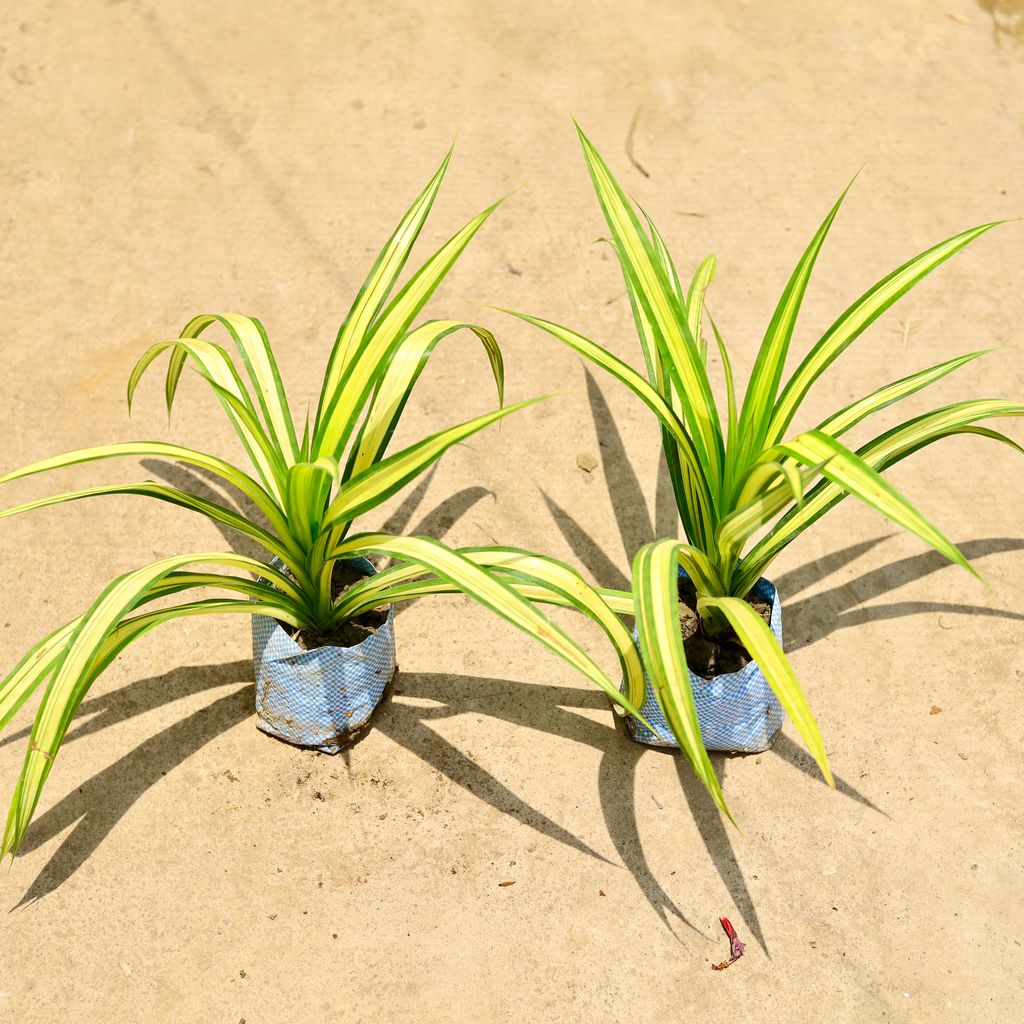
(160, 160)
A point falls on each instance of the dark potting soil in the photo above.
(349, 633)
(712, 656)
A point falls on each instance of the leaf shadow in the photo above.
(95, 807)
(847, 604)
(536, 706)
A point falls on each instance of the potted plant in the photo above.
(735, 474)
(322, 625)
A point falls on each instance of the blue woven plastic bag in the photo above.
(319, 698)
(737, 711)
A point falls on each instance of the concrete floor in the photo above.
(160, 160)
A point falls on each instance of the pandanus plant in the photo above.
(736, 474)
(307, 490)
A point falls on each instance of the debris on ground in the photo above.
(735, 946)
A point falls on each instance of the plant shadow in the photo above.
(94, 809)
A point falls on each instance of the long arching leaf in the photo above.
(883, 451)
(762, 646)
(380, 481)
(378, 284)
(491, 592)
(282, 547)
(162, 450)
(215, 366)
(641, 267)
(851, 324)
(643, 390)
(771, 357)
(656, 590)
(839, 422)
(251, 340)
(369, 361)
(404, 369)
(854, 475)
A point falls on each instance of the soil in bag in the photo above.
(349, 633)
(712, 656)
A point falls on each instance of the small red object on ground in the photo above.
(735, 946)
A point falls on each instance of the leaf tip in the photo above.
(511, 312)
(588, 146)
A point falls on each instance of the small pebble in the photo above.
(586, 462)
